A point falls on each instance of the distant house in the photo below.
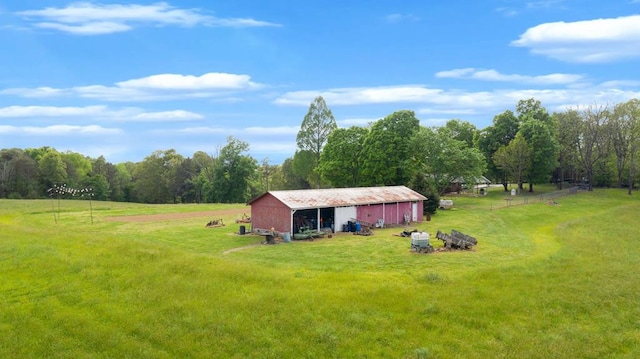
(288, 211)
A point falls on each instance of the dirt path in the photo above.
(172, 216)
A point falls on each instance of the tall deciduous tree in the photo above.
(18, 174)
(316, 127)
(544, 153)
(233, 173)
(593, 146)
(51, 169)
(504, 129)
(341, 160)
(155, 177)
(290, 178)
(568, 137)
(388, 158)
(515, 159)
(623, 124)
(445, 159)
(462, 130)
(539, 130)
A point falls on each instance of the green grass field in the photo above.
(547, 280)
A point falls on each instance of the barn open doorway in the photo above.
(305, 219)
(327, 218)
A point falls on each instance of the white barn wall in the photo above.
(344, 215)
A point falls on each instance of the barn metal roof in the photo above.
(340, 197)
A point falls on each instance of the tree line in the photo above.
(594, 146)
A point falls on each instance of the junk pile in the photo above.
(456, 240)
(361, 228)
(215, 223)
(445, 204)
(243, 219)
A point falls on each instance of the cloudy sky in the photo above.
(124, 79)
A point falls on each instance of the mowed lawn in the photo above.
(550, 279)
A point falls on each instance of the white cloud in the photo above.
(272, 131)
(543, 4)
(589, 41)
(131, 114)
(493, 75)
(34, 92)
(93, 28)
(202, 130)
(49, 111)
(361, 95)
(176, 115)
(441, 111)
(459, 103)
(395, 18)
(508, 12)
(87, 18)
(59, 130)
(211, 80)
(214, 85)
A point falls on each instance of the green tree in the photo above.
(544, 154)
(504, 129)
(18, 174)
(100, 186)
(341, 160)
(316, 127)
(568, 137)
(462, 130)
(51, 169)
(593, 144)
(515, 159)
(445, 159)
(540, 131)
(387, 154)
(422, 184)
(233, 173)
(78, 168)
(533, 109)
(155, 177)
(623, 125)
(290, 178)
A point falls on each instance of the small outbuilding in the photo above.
(335, 208)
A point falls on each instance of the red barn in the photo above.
(287, 211)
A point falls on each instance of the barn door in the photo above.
(414, 212)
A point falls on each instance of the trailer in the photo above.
(456, 240)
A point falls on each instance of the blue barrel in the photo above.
(357, 227)
(286, 237)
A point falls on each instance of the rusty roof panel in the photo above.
(340, 197)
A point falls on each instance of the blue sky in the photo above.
(123, 79)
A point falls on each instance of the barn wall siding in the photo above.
(268, 212)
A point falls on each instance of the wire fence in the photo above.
(514, 199)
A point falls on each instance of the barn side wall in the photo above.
(370, 213)
(392, 213)
(420, 210)
(268, 212)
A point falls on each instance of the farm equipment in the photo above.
(244, 219)
(456, 240)
(215, 223)
(420, 242)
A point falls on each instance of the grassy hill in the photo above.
(549, 279)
